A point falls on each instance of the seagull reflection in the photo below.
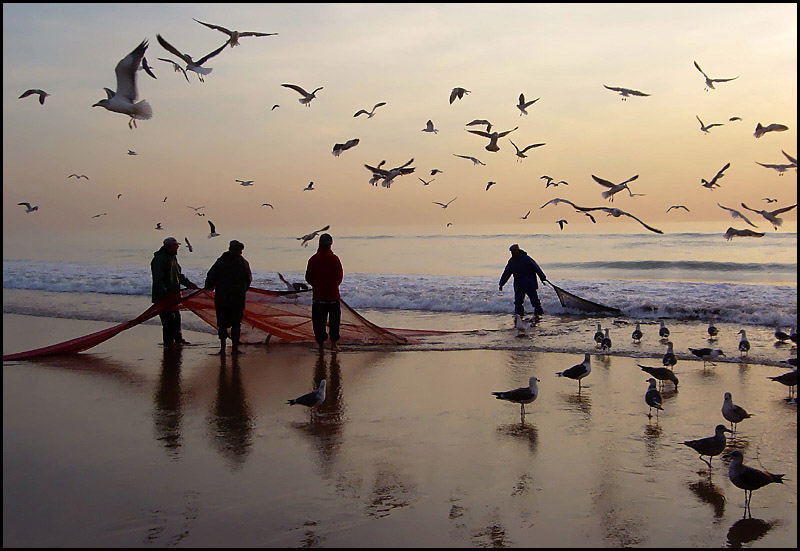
(231, 422)
(167, 412)
(746, 530)
(707, 492)
(522, 432)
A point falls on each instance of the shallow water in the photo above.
(134, 444)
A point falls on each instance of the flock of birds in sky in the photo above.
(125, 100)
(742, 476)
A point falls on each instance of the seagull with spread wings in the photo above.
(710, 184)
(370, 114)
(730, 233)
(444, 205)
(772, 215)
(678, 207)
(175, 66)
(779, 168)
(625, 92)
(615, 212)
(473, 159)
(245, 183)
(306, 99)
(78, 176)
(429, 127)
(614, 188)
(774, 127)
(480, 122)
(42, 94)
(28, 208)
(521, 152)
(523, 105)
(426, 183)
(706, 127)
(339, 147)
(191, 65)
(493, 137)
(736, 214)
(388, 176)
(309, 236)
(124, 100)
(458, 93)
(213, 232)
(710, 81)
(234, 36)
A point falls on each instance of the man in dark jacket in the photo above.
(324, 273)
(229, 278)
(167, 278)
(524, 269)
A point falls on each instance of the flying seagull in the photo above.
(213, 232)
(706, 127)
(615, 212)
(306, 99)
(42, 94)
(678, 207)
(481, 122)
(710, 184)
(493, 137)
(772, 215)
(710, 81)
(732, 119)
(561, 223)
(774, 127)
(388, 176)
(426, 183)
(521, 396)
(195, 208)
(309, 236)
(28, 208)
(770, 200)
(370, 114)
(614, 188)
(188, 245)
(473, 159)
(444, 205)
(429, 127)
(294, 287)
(78, 176)
(158, 226)
(176, 67)
(274, 106)
(458, 93)
(132, 152)
(521, 152)
(625, 92)
(234, 36)
(526, 215)
(245, 182)
(191, 65)
(736, 214)
(435, 171)
(309, 187)
(311, 399)
(124, 99)
(730, 233)
(489, 184)
(147, 68)
(523, 105)
(267, 205)
(779, 168)
(339, 147)
(99, 215)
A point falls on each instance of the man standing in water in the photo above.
(524, 269)
(167, 278)
(229, 278)
(324, 273)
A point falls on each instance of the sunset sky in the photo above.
(204, 136)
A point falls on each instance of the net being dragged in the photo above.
(274, 316)
(568, 300)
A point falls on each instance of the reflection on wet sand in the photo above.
(167, 412)
(523, 432)
(706, 491)
(748, 530)
(230, 422)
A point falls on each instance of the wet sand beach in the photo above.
(133, 444)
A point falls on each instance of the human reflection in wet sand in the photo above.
(706, 491)
(231, 422)
(747, 530)
(325, 423)
(167, 414)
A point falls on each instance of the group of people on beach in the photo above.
(230, 278)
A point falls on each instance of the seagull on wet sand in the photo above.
(28, 208)
(309, 236)
(429, 127)
(191, 65)
(710, 184)
(233, 36)
(788, 379)
(338, 148)
(678, 207)
(774, 127)
(736, 214)
(625, 92)
(369, 114)
(749, 478)
(710, 81)
(780, 335)
(521, 152)
(523, 105)
(598, 336)
(711, 445)
(707, 354)
(704, 127)
(473, 159)
(311, 399)
(521, 396)
(637, 334)
(306, 99)
(652, 397)
(493, 137)
(772, 215)
(730, 233)
(458, 93)
(605, 344)
(712, 331)
(578, 371)
(444, 205)
(660, 373)
(42, 94)
(744, 344)
(124, 100)
(663, 330)
(733, 413)
(213, 232)
(669, 359)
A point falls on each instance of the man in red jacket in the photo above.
(324, 273)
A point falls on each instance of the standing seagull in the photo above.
(744, 344)
(772, 215)
(625, 92)
(598, 336)
(669, 359)
(579, 371)
(712, 331)
(653, 398)
(429, 127)
(234, 36)
(717, 177)
(493, 137)
(311, 399)
(306, 99)
(780, 335)
(710, 81)
(28, 208)
(523, 105)
(789, 379)
(749, 478)
(736, 214)
(605, 344)
(191, 65)
(42, 94)
(444, 205)
(637, 334)
(733, 413)
(710, 446)
(370, 114)
(521, 396)
(521, 153)
(124, 99)
(458, 93)
(705, 128)
(774, 127)
(707, 354)
(660, 373)
(213, 232)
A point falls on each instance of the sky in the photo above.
(204, 136)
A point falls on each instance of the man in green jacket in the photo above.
(167, 278)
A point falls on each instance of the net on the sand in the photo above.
(568, 300)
